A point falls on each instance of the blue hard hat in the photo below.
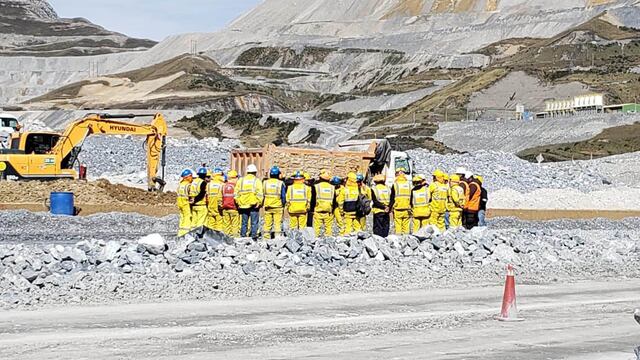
(298, 175)
(275, 171)
(336, 180)
(202, 171)
(218, 171)
(360, 178)
(186, 172)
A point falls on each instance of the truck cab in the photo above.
(29, 155)
(399, 159)
(8, 125)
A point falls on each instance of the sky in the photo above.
(155, 19)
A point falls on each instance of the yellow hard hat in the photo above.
(480, 178)
(445, 176)
(352, 177)
(306, 175)
(401, 170)
(380, 178)
(418, 178)
(325, 175)
(232, 174)
(438, 173)
(454, 177)
(209, 173)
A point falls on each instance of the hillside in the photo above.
(33, 28)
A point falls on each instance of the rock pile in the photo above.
(150, 267)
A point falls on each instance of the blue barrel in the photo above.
(61, 203)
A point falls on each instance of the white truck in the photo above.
(8, 125)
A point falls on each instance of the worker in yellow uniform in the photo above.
(230, 215)
(455, 202)
(274, 201)
(366, 191)
(420, 209)
(298, 201)
(401, 202)
(381, 198)
(348, 197)
(198, 192)
(439, 194)
(323, 205)
(338, 212)
(249, 195)
(214, 200)
(184, 202)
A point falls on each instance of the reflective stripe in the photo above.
(272, 187)
(441, 192)
(183, 190)
(351, 194)
(298, 195)
(214, 189)
(325, 191)
(244, 189)
(383, 194)
(402, 190)
(421, 197)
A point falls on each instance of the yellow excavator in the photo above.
(50, 155)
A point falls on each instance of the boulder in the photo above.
(154, 244)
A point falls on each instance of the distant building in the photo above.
(564, 107)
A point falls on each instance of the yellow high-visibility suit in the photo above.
(273, 207)
(249, 192)
(323, 211)
(198, 207)
(455, 205)
(338, 212)
(184, 206)
(348, 197)
(439, 194)
(298, 203)
(401, 205)
(214, 203)
(420, 207)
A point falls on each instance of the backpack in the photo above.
(228, 197)
(363, 206)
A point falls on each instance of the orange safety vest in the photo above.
(473, 201)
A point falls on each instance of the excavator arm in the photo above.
(71, 140)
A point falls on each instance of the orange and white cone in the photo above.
(509, 310)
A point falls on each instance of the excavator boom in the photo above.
(30, 161)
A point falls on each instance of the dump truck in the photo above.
(368, 157)
(51, 155)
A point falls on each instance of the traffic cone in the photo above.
(509, 310)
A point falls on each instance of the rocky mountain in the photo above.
(33, 28)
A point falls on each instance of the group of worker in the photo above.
(328, 204)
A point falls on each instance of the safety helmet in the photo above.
(202, 171)
(438, 173)
(418, 178)
(275, 171)
(468, 174)
(401, 170)
(252, 169)
(218, 171)
(232, 174)
(324, 174)
(209, 173)
(352, 177)
(480, 178)
(460, 170)
(298, 175)
(454, 178)
(186, 173)
(306, 176)
(336, 180)
(359, 178)
(445, 177)
(380, 178)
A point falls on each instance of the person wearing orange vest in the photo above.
(230, 215)
(298, 201)
(472, 203)
(420, 209)
(198, 192)
(455, 203)
(439, 194)
(184, 202)
(249, 196)
(323, 205)
(274, 201)
(381, 198)
(214, 201)
(401, 203)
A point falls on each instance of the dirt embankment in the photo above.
(90, 197)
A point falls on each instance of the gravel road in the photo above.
(587, 320)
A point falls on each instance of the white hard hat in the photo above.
(461, 170)
(468, 175)
(252, 169)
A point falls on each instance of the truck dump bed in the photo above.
(291, 159)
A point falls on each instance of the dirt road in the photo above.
(590, 320)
